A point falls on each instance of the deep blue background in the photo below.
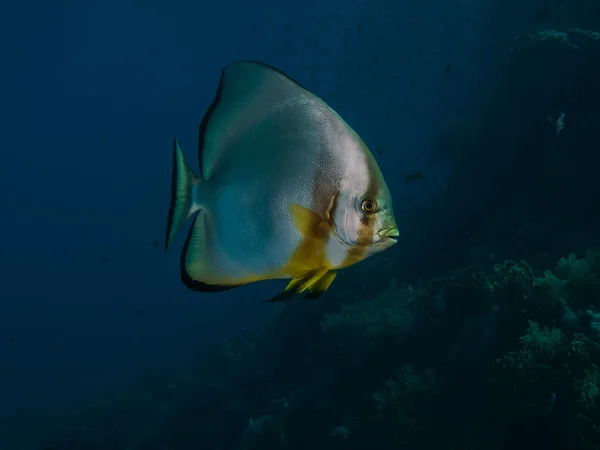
(91, 95)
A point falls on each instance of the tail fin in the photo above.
(182, 206)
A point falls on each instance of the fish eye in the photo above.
(369, 205)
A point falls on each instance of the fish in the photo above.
(286, 190)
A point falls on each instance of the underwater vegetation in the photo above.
(490, 340)
(475, 359)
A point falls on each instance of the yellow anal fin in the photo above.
(313, 283)
(321, 285)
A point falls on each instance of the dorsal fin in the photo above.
(248, 91)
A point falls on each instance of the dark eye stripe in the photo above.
(364, 220)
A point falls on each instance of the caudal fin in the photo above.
(183, 182)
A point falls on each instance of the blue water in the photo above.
(91, 95)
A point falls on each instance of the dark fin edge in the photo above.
(192, 284)
(313, 295)
(174, 176)
(217, 99)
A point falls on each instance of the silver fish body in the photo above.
(287, 189)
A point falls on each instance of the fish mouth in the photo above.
(390, 233)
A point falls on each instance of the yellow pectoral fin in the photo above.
(309, 256)
(308, 223)
(315, 283)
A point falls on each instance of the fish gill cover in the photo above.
(481, 331)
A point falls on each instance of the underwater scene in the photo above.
(342, 225)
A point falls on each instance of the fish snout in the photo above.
(389, 233)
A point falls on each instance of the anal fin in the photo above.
(314, 283)
(322, 284)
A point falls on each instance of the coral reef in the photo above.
(394, 368)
